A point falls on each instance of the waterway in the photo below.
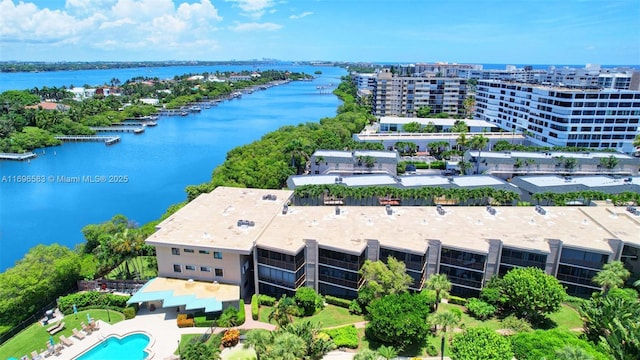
(149, 172)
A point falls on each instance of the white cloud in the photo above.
(144, 25)
(300, 16)
(254, 26)
(253, 8)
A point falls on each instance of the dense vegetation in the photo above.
(268, 162)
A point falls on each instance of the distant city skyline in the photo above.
(551, 32)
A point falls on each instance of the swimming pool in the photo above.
(130, 347)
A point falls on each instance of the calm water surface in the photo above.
(158, 164)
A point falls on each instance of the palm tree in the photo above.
(387, 352)
(611, 276)
(446, 320)
(572, 353)
(367, 354)
(479, 142)
(287, 346)
(260, 340)
(440, 284)
(282, 313)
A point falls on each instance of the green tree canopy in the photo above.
(398, 320)
(541, 344)
(43, 274)
(440, 284)
(423, 111)
(384, 279)
(412, 127)
(480, 344)
(530, 293)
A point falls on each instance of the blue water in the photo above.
(131, 347)
(158, 164)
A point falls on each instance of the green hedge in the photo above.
(255, 307)
(438, 164)
(266, 300)
(91, 299)
(337, 301)
(202, 321)
(129, 313)
(456, 300)
(346, 336)
(241, 313)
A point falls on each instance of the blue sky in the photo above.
(474, 31)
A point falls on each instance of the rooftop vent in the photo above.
(339, 180)
(285, 209)
(540, 210)
(633, 210)
(491, 210)
(271, 197)
(440, 209)
(337, 210)
(246, 223)
(389, 210)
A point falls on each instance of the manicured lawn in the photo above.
(567, 318)
(239, 354)
(469, 321)
(330, 316)
(36, 337)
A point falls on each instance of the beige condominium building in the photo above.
(254, 239)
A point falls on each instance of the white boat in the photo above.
(195, 109)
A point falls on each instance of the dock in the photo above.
(107, 140)
(16, 156)
(135, 123)
(133, 129)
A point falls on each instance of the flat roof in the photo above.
(590, 181)
(462, 227)
(393, 136)
(477, 180)
(210, 220)
(356, 153)
(548, 155)
(408, 227)
(435, 121)
(356, 180)
(424, 180)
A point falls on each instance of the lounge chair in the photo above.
(35, 355)
(56, 329)
(86, 328)
(65, 341)
(78, 335)
(94, 325)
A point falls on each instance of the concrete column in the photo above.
(373, 249)
(616, 247)
(555, 248)
(312, 263)
(433, 260)
(493, 259)
(255, 270)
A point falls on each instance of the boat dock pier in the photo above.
(16, 156)
(135, 123)
(135, 130)
(107, 140)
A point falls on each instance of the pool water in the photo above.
(130, 347)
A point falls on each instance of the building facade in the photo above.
(404, 95)
(270, 247)
(553, 116)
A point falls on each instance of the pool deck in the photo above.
(160, 324)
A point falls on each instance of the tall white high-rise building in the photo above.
(560, 116)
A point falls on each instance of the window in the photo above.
(217, 255)
(203, 252)
(219, 272)
(175, 251)
(190, 267)
(177, 268)
(205, 268)
(190, 251)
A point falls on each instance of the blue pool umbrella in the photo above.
(51, 341)
(88, 317)
(75, 310)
